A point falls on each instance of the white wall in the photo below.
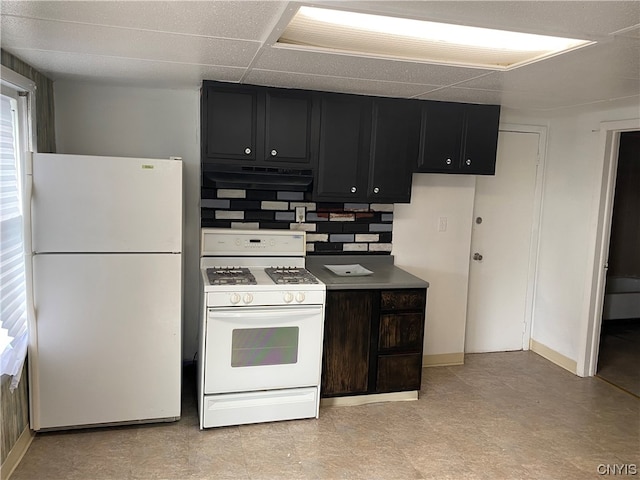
(571, 194)
(97, 119)
(441, 258)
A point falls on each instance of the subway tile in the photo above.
(245, 204)
(211, 223)
(259, 215)
(332, 227)
(310, 206)
(274, 225)
(382, 207)
(355, 227)
(317, 237)
(330, 207)
(268, 205)
(229, 215)
(285, 216)
(341, 237)
(245, 225)
(231, 193)
(306, 227)
(208, 193)
(207, 213)
(215, 203)
(328, 247)
(367, 216)
(354, 247)
(310, 247)
(290, 196)
(341, 217)
(380, 227)
(386, 217)
(261, 195)
(385, 237)
(356, 207)
(367, 237)
(380, 247)
(317, 217)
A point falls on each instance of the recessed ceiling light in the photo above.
(363, 34)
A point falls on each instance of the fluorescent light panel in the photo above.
(363, 34)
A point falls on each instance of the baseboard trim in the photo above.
(17, 452)
(355, 400)
(443, 359)
(553, 356)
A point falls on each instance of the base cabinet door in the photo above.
(373, 341)
(398, 373)
(347, 332)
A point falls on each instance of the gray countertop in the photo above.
(385, 273)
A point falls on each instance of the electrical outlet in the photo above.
(300, 214)
(442, 224)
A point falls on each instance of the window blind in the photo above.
(13, 326)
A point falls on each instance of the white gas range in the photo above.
(261, 329)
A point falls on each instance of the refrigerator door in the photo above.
(107, 343)
(106, 204)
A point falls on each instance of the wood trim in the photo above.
(365, 399)
(553, 356)
(17, 452)
(443, 359)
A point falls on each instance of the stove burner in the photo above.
(290, 275)
(230, 276)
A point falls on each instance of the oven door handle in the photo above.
(262, 314)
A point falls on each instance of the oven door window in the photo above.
(251, 347)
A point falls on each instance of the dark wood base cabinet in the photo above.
(373, 341)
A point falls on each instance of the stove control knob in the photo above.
(288, 297)
(248, 298)
(235, 298)
(300, 297)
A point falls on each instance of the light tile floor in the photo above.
(500, 416)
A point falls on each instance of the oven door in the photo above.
(261, 348)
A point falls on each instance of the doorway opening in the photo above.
(619, 347)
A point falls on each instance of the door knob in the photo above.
(477, 256)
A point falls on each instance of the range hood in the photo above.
(256, 178)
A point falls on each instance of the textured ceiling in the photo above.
(177, 44)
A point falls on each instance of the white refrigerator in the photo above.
(106, 323)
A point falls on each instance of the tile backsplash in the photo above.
(332, 227)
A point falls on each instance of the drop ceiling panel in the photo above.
(249, 20)
(124, 42)
(124, 71)
(335, 84)
(317, 63)
(465, 95)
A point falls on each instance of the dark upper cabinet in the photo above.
(246, 125)
(367, 148)
(394, 148)
(343, 150)
(458, 138)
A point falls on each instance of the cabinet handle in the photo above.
(247, 150)
(376, 190)
(468, 162)
(274, 152)
(353, 189)
(448, 161)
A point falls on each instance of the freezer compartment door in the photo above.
(107, 343)
(106, 204)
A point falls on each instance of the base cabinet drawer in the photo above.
(399, 372)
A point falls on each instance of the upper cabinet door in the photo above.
(441, 138)
(481, 139)
(394, 141)
(342, 156)
(229, 124)
(288, 127)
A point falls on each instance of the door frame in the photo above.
(532, 269)
(587, 361)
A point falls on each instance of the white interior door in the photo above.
(501, 253)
